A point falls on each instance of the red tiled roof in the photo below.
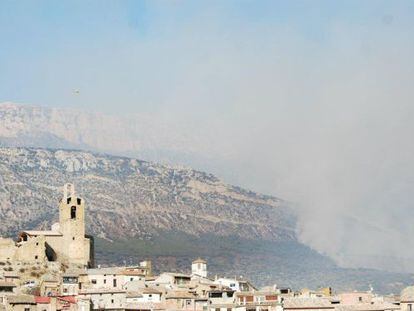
(40, 299)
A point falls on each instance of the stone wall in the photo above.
(32, 250)
(7, 249)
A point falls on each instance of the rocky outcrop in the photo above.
(131, 198)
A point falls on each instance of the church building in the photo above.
(66, 242)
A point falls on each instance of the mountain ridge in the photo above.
(139, 210)
(154, 138)
(172, 193)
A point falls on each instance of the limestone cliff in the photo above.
(131, 198)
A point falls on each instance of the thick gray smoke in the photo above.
(329, 128)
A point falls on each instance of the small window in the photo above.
(93, 281)
(131, 279)
(73, 238)
(65, 290)
(68, 200)
(26, 309)
(360, 299)
(78, 200)
(112, 301)
(104, 281)
(150, 295)
(73, 212)
(114, 282)
(37, 243)
(36, 257)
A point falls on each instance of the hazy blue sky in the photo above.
(138, 53)
(308, 100)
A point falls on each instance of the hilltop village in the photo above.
(55, 270)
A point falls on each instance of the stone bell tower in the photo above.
(71, 213)
(72, 227)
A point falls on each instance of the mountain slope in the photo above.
(151, 137)
(128, 197)
(138, 210)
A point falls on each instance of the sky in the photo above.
(311, 101)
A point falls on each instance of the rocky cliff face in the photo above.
(141, 210)
(131, 198)
(152, 137)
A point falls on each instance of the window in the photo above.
(26, 309)
(188, 302)
(114, 282)
(260, 298)
(65, 290)
(360, 299)
(104, 281)
(409, 307)
(131, 279)
(93, 281)
(78, 200)
(68, 200)
(70, 280)
(73, 212)
(112, 301)
(37, 243)
(36, 257)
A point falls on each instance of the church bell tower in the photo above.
(72, 226)
(71, 213)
